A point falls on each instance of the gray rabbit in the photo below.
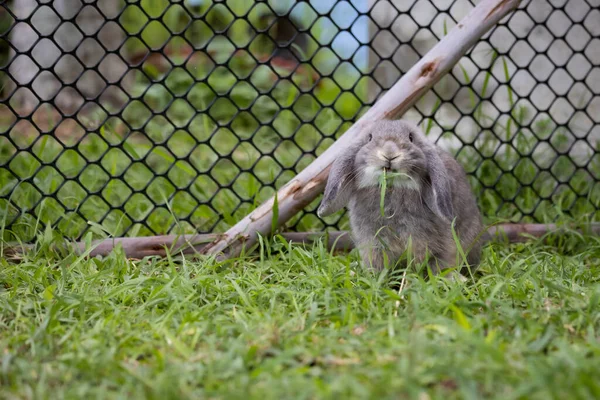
(427, 190)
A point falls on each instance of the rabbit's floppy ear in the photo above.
(439, 197)
(338, 188)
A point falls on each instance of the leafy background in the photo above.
(155, 117)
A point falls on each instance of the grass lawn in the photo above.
(296, 322)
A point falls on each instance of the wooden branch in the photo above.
(310, 182)
(337, 241)
(134, 247)
(518, 233)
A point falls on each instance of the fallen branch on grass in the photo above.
(310, 182)
(140, 247)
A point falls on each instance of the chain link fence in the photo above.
(150, 117)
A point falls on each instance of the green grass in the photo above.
(296, 322)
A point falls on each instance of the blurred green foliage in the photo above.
(221, 109)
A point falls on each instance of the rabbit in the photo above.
(428, 191)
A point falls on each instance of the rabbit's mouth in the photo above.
(399, 178)
(395, 176)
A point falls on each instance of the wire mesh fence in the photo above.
(149, 117)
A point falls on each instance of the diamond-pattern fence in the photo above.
(149, 117)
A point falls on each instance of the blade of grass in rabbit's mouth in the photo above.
(383, 178)
(383, 186)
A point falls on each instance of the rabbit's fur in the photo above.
(418, 209)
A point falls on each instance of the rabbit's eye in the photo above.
(370, 137)
(410, 137)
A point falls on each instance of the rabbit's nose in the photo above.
(387, 157)
(388, 160)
